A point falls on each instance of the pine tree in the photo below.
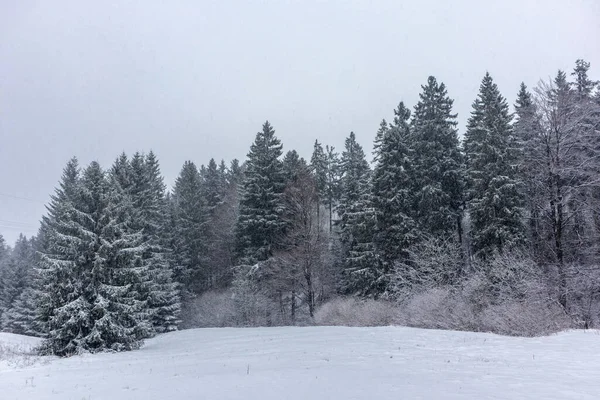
(89, 267)
(16, 279)
(379, 137)
(189, 232)
(293, 166)
(213, 186)
(333, 185)
(223, 222)
(120, 314)
(583, 85)
(4, 249)
(148, 197)
(438, 190)
(318, 166)
(362, 272)
(58, 247)
(494, 194)
(259, 223)
(392, 188)
(214, 192)
(527, 136)
(22, 317)
(354, 172)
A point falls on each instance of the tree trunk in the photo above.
(293, 314)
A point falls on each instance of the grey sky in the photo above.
(196, 79)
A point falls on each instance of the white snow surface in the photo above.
(316, 363)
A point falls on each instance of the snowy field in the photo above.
(314, 363)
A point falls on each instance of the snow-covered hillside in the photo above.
(315, 363)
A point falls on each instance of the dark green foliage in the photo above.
(438, 177)
(259, 223)
(495, 197)
(16, 285)
(583, 85)
(158, 290)
(393, 188)
(293, 166)
(90, 267)
(189, 229)
(354, 173)
(213, 186)
(362, 272)
(318, 165)
(333, 183)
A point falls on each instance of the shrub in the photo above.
(354, 312)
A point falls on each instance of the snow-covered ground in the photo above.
(315, 363)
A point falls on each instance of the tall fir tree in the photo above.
(437, 163)
(333, 186)
(318, 166)
(213, 186)
(495, 200)
(259, 222)
(583, 85)
(57, 246)
(354, 172)
(4, 249)
(393, 188)
(362, 272)
(293, 165)
(215, 190)
(90, 267)
(22, 317)
(189, 231)
(17, 278)
(384, 127)
(159, 290)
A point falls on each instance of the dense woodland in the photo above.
(497, 231)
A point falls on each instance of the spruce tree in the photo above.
(189, 230)
(293, 165)
(318, 168)
(494, 193)
(213, 186)
(362, 273)
(333, 185)
(158, 290)
(583, 85)
(214, 192)
(4, 249)
(379, 137)
(393, 188)
(16, 279)
(235, 174)
(354, 172)
(438, 190)
(22, 317)
(259, 223)
(90, 267)
(58, 247)
(526, 130)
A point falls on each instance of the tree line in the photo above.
(118, 258)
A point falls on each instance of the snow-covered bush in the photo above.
(439, 308)
(354, 312)
(212, 309)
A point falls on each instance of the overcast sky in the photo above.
(193, 80)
